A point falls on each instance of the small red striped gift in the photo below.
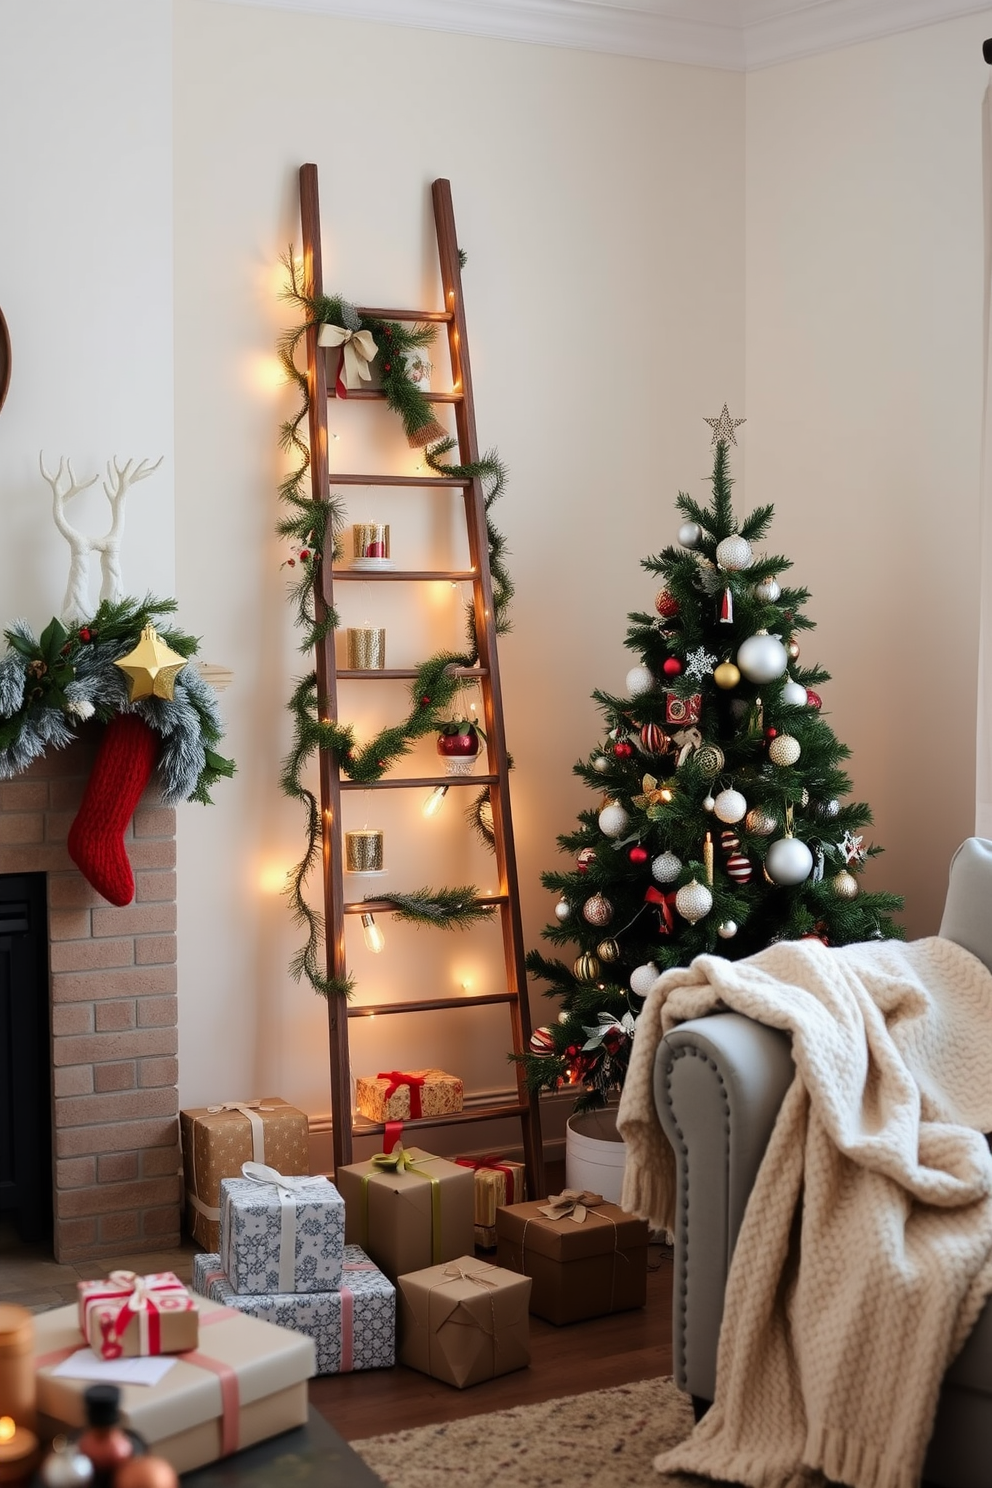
(128, 1315)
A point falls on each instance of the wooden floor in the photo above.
(606, 1351)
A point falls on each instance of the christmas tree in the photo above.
(722, 826)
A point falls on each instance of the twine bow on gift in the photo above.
(416, 1083)
(251, 1110)
(288, 1189)
(571, 1203)
(357, 351)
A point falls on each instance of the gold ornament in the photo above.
(608, 951)
(845, 885)
(151, 668)
(709, 760)
(792, 646)
(723, 427)
(784, 750)
(726, 675)
(586, 968)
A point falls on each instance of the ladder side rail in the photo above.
(485, 626)
(327, 702)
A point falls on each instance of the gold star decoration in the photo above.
(724, 426)
(151, 668)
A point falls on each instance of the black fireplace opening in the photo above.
(25, 1059)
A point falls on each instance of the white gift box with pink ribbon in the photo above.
(126, 1315)
(352, 1328)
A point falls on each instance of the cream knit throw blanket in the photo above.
(865, 1254)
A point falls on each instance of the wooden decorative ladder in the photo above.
(505, 901)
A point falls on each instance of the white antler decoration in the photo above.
(76, 606)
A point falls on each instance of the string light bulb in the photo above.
(374, 938)
(434, 801)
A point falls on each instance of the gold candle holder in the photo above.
(17, 1378)
(371, 539)
(363, 851)
(366, 649)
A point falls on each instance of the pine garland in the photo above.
(52, 683)
(315, 527)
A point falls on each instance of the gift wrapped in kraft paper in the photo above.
(218, 1139)
(129, 1315)
(498, 1181)
(245, 1382)
(586, 1257)
(408, 1209)
(464, 1322)
(406, 1095)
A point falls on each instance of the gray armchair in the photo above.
(718, 1085)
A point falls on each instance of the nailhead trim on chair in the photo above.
(680, 1053)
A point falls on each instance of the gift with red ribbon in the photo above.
(407, 1095)
(498, 1181)
(129, 1315)
(665, 905)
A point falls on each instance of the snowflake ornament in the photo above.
(699, 664)
(853, 848)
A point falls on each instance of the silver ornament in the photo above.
(730, 806)
(643, 978)
(784, 750)
(759, 822)
(597, 911)
(727, 930)
(767, 591)
(639, 681)
(601, 764)
(794, 694)
(788, 862)
(734, 553)
(845, 885)
(762, 658)
(562, 910)
(666, 868)
(708, 802)
(693, 901)
(613, 820)
(690, 534)
(708, 578)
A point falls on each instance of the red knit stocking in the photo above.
(121, 771)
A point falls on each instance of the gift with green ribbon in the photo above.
(408, 1209)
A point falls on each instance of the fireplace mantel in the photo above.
(113, 1015)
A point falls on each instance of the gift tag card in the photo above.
(85, 1365)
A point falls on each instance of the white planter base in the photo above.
(595, 1154)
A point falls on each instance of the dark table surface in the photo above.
(311, 1454)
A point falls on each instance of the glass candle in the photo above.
(371, 539)
(366, 649)
(363, 851)
(17, 1383)
(19, 1452)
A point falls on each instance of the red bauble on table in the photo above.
(638, 854)
(672, 667)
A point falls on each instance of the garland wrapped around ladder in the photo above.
(435, 685)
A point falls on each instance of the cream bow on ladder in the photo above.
(357, 348)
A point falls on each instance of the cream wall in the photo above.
(864, 389)
(600, 200)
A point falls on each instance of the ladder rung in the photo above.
(356, 395)
(397, 480)
(418, 782)
(395, 674)
(454, 576)
(435, 1005)
(454, 1118)
(414, 315)
(386, 906)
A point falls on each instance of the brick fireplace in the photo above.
(113, 1015)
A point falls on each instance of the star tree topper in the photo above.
(724, 426)
(151, 668)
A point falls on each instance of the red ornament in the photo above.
(85, 634)
(730, 842)
(638, 854)
(771, 733)
(672, 667)
(623, 749)
(653, 738)
(813, 698)
(739, 868)
(586, 856)
(305, 555)
(666, 604)
(542, 1042)
(425, 701)
(387, 367)
(458, 746)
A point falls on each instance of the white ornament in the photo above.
(734, 553)
(601, 764)
(640, 679)
(613, 820)
(762, 658)
(708, 578)
(666, 868)
(727, 930)
(853, 848)
(562, 910)
(643, 978)
(708, 802)
(690, 534)
(693, 901)
(699, 664)
(795, 694)
(788, 861)
(730, 806)
(563, 1017)
(76, 606)
(767, 591)
(784, 750)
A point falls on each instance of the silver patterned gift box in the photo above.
(353, 1328)
(280, 1234)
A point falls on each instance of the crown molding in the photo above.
(734, 35)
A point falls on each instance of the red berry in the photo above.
(672, 667)
(304, 555)
(425, 701)
(387, 367)
(771, 733)
(85, 634)
(291, 562)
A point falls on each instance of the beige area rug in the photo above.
(606, 1439)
